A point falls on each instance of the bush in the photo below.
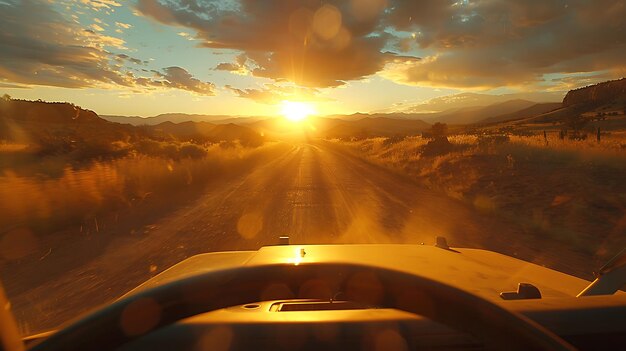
(488, 140)
(192, 151)
(437, 147)
(439, 130)
(393, 140)
(148, 147)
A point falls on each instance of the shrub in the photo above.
(439, 130)
(192, 151)
(489, 140)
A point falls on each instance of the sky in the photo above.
(244, 57)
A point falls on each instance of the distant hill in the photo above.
(475, 114)
(175, 118)
(375, 126)
(207, 132)
(395, 115)
(606, 100)
(470, 100)
(183, 130)
(340, 128)
(390, 126)
(534, 110)
(602, 98)
(237, 120)
(55, 128)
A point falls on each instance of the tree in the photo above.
(439, 130)
(440, 144)
(6, 97)
(577, 122)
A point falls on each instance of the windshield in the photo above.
(136, 134)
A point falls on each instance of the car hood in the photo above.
(484, 273)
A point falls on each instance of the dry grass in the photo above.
(573, 191)
(6, 147)
(48, 203)
(613, 144)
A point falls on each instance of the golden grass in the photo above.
(78, 194)
(611, 142)
(570, 190)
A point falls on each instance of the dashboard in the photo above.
(590, 323)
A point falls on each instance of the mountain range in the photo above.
(466, 108)
(64, 125)
(178, 118)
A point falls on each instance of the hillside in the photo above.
(528, 112)
(394, 115)
(207, 132)
(602, 106)
(378, 126)
(600, 93)
(65, 129)
(465, 100)
(183, 130)
(475, 114)
(56, 124)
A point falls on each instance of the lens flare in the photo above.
(296, 111)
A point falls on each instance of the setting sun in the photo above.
(296, 111)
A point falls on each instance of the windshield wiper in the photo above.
(610, 278)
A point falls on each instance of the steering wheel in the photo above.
(139, 314)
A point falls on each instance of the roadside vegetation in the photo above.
(53, 194)
(62, 166)
(571, 190)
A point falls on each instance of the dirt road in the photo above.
(312, 192)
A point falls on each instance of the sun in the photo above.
(296, 111)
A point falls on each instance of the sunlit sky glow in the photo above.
(244, 57)
(296, 111)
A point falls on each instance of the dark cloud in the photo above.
(179, 78)
(499, 43)
(473, 43)
(312, 43)
(259, 95)
(239, 66)
(38, 46)
(124, 57)
(299, 41)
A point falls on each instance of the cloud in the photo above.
(123, 57)
(186, 36)
(39, 47)
(316, 44)
(12, 86)
(464, 43)
(98, 5)
(574, 81)
(299, 41)
(509, 43)
(179, 78)
(273, 93)
(238, 67)
(123, 25)
(96, 28)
